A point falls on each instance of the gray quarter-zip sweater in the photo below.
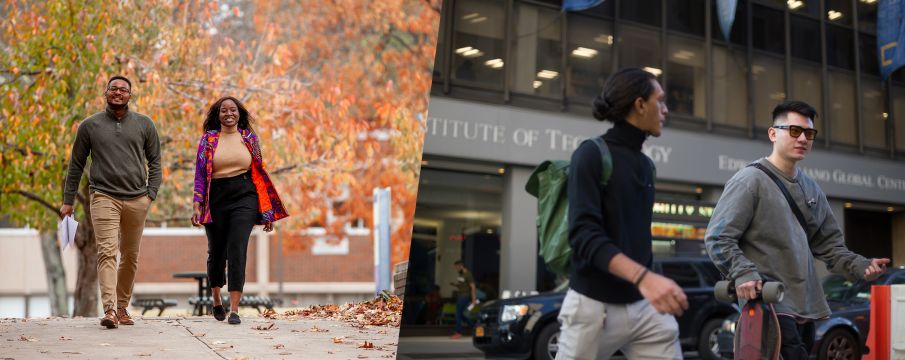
(125, 155)
(754, 235)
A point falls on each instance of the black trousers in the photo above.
(797, 339)
(234, 211)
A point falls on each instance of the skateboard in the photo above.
(757, 334)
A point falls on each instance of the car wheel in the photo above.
(708, 345)
(547, 343)
(840, 344)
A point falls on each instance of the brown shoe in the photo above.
(109, 319)
(122, 316)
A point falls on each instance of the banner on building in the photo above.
(890, 35)
(579, 5)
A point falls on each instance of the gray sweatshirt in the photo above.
(125, 156)
(754, 235)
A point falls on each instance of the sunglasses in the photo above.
(795, 131)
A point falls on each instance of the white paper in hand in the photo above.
(67, 229)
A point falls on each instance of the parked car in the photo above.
(526, 327)
(844, 334)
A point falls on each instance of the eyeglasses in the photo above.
(114, 89)
(795, 131)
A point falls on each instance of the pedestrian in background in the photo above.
(466, 295)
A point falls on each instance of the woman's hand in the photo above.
(268, 227)
(196, 214)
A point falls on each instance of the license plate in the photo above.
(479, 331)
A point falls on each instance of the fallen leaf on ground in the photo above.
(382, 332)
(218, 342)
(72, 352)
(270, 314)
(317, 329)
(26, 338)
(285, 353)
(264, 327)
(366, 345)
(279, 346)
(65, 338)
(143, 354)
(338, 340)
(294, 330)
(199, 334)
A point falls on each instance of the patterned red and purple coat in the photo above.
(269, 204)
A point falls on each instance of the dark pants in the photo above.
(462, 303)
(234, 211)
(797, 339)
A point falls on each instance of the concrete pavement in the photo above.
(193, 338)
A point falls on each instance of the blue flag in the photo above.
(890, 35)
(579, 5)
(726, 11)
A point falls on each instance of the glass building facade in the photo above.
(531, 54)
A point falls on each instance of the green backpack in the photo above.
(549, 184)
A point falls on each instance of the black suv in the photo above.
(526, 327)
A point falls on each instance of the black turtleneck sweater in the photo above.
(615, 219)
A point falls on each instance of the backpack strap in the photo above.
(607, 160)
(785, 192)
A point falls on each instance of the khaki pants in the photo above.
(595, 330)
(118, 225)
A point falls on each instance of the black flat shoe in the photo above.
(219, 313)
(234, 319)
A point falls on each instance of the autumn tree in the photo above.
(339, 89)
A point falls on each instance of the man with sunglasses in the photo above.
(754, 234)
(124, 178)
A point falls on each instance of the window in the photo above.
(639, 48)
(683, 274)
(867, 16)
(730, 92)
(839, 12)
(686, 91)
(439, 66)
(687, 16)
(872, 113)
(738, 34)
(870, 64)
(642, 11)
(841, 111)
(590, 56)
(478, 43)
(768, 29)
(607, 9)
(805, 38)
(769, 88)
(898, 105)
(807, 86)
(840, 47)
(537, 51)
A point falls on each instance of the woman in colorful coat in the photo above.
(233, 193)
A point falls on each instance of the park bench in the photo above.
(157, 303)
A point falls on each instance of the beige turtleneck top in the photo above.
(232, 157)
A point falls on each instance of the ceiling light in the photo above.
(652, 70)
(537, 84)
(848, 205)
(477, 20)
(470, 16)
(795, 4)
(604, 39)
(547, 74)
(699, 190)
(495, 63)
(833, 14)
(463, 49)
(683, 55)
(869, 1)
(890, 209)
(584, 52)
(472, 53)
(501, 170)
(885, 116)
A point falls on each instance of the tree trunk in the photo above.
(86, 286)
(56, 276)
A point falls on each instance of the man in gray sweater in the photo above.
(754, 234)
(124, 179)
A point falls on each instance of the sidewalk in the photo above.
(193, 338)
(437, 347)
